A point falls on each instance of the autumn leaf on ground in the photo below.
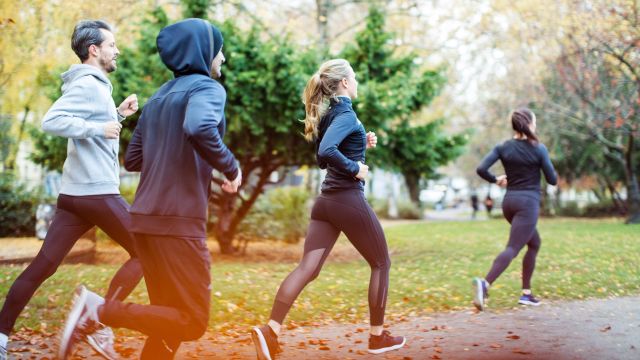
(495, 346)
(522, 352)
(513, 337)
(606, 328)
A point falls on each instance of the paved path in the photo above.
(592, 329)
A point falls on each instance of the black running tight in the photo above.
(349, 212)
(74, 216)
(522, 213)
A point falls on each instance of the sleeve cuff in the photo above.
(231, 175)
(95, 129)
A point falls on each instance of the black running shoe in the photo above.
(266, 342)
(528, 300)
(385, 342)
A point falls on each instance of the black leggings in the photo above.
(521, 211)
(346, 211)
(74, 216)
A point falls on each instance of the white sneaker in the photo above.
(101, 341)
(82, 318)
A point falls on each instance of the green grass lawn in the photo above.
(432, 267)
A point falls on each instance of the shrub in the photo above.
(570, 208)
(17, 208)
(280, 214)
(380, 207)
(602, 209)
(409, 210)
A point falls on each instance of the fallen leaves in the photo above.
(521, 352)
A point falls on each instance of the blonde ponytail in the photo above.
(320, 87)
(314, 106)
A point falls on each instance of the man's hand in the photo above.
(112, 130)
(232, 186)
(129, 106)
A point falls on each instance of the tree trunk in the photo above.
(323, 8)
(11, 164)
(223, 230)
(633, 190)
(615, 197)
(413, 185)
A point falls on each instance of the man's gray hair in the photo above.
(85, 34)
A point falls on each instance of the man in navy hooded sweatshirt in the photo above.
(175, 146)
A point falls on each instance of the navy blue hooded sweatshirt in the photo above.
(341, 143)
(178, 139)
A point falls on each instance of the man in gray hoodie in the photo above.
(85, 114)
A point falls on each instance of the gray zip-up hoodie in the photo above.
(92, 166)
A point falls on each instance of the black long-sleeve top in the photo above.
(341, 143)
(522, 162)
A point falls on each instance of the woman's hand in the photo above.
(501, 180)
(363, 172)
(372, 140)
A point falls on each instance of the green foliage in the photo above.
(49, 151)
(7, 142)
(570, 208)
(590, 102)
(392, 90)
(418, 151)
(195, 8)
(409, 210)
(604, 208)
(380, 207)
(280, 214)
(17, 208)
(140, 71)
(264, 79)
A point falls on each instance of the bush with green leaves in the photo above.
(569, 208)
(17, 208)
(280, 214)
(409, 210)
(380, 207)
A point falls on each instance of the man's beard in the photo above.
(108, 65)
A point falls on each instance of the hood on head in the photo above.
(189, 46)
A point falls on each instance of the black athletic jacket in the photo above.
(522, 162)
(178, 139)
(341, 143)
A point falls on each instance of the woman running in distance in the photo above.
(522, 157)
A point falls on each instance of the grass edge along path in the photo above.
(432, 267)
